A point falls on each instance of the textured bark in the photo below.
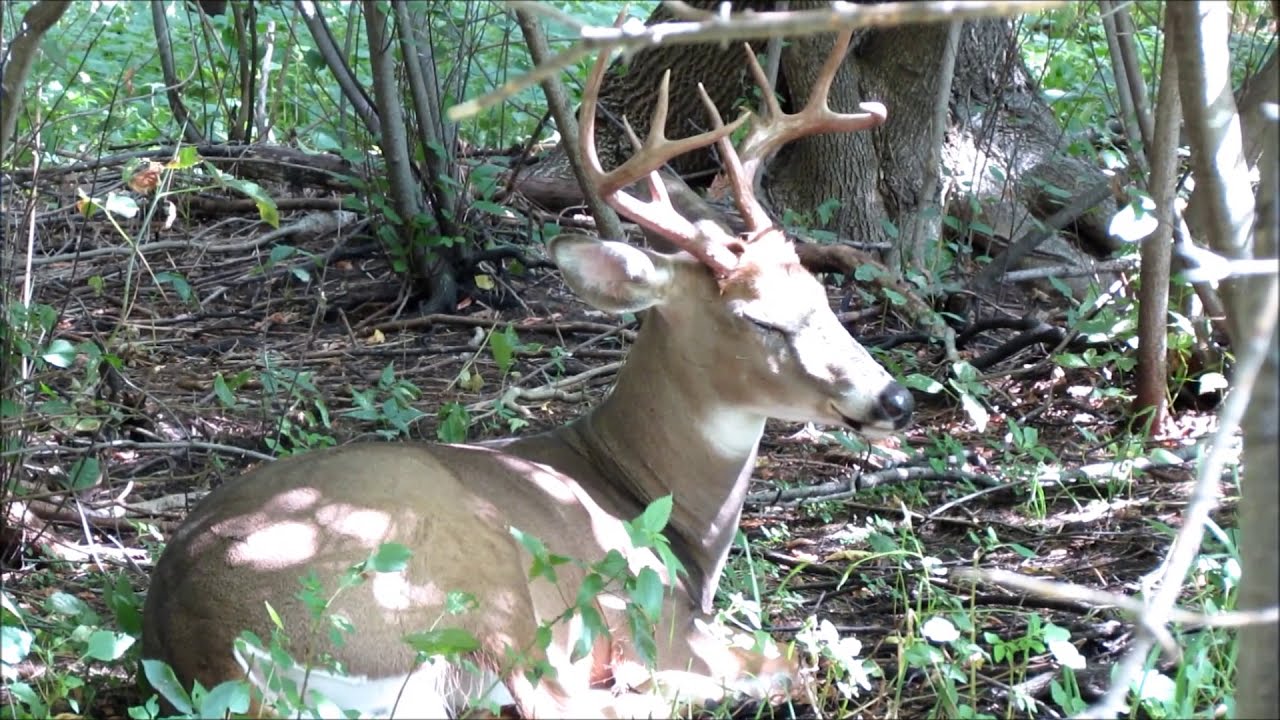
(1153, 296)
(1258, 694)
(998, 120)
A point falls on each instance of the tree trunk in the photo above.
(1002, 149)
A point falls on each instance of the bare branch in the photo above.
(751, 26)
(606, 219)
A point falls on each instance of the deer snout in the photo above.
(895, 405)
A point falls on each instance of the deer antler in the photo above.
(777, 128)
(704, 240)
(816, 118)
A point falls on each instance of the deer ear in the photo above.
(612, 276)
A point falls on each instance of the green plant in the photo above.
(611, 574)
(302, 410)
(454, 423)
(390, 405)
(65, 631)
(274, 659)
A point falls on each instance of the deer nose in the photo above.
(896, 404)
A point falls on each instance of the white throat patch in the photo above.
(733, 433)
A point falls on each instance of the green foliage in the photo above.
(303, 416)
(232, 697)
(63, 627)
(454, 423)
(1066, 50)
(94, 83)
(390, 405)
(643, 591)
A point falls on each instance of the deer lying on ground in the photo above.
(736, 331)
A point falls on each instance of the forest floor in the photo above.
(225, 347)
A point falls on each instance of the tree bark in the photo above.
(1257, 693)
(1003, 147)
(1153, 298)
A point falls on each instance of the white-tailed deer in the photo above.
(736, 332)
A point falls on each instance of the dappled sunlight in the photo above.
(277, 546)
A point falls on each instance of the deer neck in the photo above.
(662, 432)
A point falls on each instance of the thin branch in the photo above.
(337, 64)
(606, 219)
(752, 26)
(1070, 592)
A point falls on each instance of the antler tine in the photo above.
(658, 214)
(816, 118)
(743, 182)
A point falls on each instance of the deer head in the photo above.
(792, 359)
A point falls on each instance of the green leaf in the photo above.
(866, 272)
(9, 408)
(1070, 361)
(542, 637)
(654, 518)
(388, 376)
(267, 210)
(275, 616)
(226, 698)
(492, 208)
(642, 639)
(163, 681)
(280, 253)
(647, 592)
(592, 627)
(60, 353)
(454, 422)
(15, 644)
(923, 383)
(443, 641)
(592, 585)
(613, 564)
(390, 557)
(187, 158)
(84, 474)
(179, 283)
(61, 603)
(125, 605)
(121, 205)
(223, 392)
(28, 696)
(503, 346)
(107, 646)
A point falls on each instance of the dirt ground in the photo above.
(293, 333)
